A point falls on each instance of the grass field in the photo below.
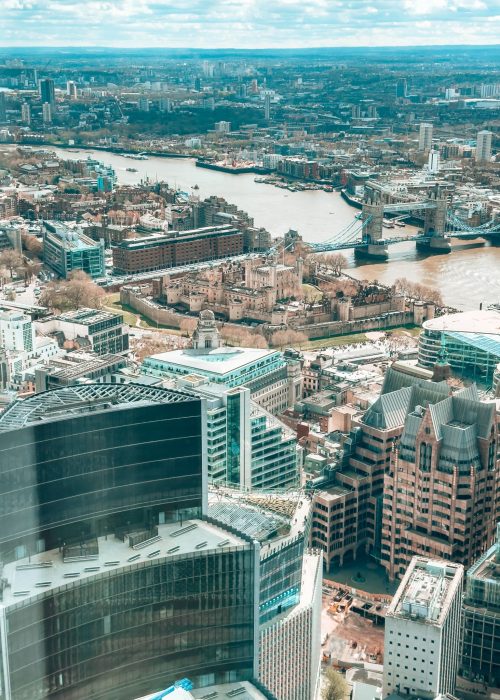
(130, 316)
(335, 341)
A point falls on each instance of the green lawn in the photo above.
(130, 316)
(335, 341)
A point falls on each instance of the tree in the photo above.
(336, 686)
(32, 245)
(417, 291)
(188, 325)
(73, 293)
(31, 268)
(337, 262)
(288, 337)
(11, 259)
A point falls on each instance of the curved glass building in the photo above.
(113, 582)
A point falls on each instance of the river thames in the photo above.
(467, 276)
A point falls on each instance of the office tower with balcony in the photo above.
(422, 631)
(441, 491)
(483, 146)
(114, 581)
(425, 137)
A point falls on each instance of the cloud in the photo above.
(247, 23)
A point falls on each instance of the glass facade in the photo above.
(126, 633)
(113, 585)
(92, 473)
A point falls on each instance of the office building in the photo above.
(272, 382)
(71, 89)
(289, 586)
(66, 249)
(143, 104)
(422, 630)
(471, 341)
(223, 127)
(78, 368)
(442, 482)
(483, 146)
(111, 578)
(401, 87)
(267, 107)
(47, 113)
(17, 332)
(183, 690)
(26, 113)
(480, 662)
(161, 251)
(3, 107)
(97, 330)
(425, 137)
(246, 446)
(47, 91)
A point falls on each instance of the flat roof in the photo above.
(426, 591)
(242, 690)
(46, 571)
(88, 316)
(482, 322)
(219, 361)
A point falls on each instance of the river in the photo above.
(469, 275)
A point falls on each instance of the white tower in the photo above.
(483, 148)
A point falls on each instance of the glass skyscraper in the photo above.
(114, 583)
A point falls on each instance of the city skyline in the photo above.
(250, 23)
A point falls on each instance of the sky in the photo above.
(248, 23)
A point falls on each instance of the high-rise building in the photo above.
(47, 113)
(480, 660)
(143, 104)
(246, 446)
(422, 630)
(223, 127)
(483, 147)
(47, 91)
(3, 107)
(267, 107)
(441, 491)
(401, 87)
(114, 581)
(71, 89)
(425, 137)
(17, 332)
(26, 113)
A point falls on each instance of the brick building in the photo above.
(157, 252)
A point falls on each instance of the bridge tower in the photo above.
(372, 216)
(435, 239)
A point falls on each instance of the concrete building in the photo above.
(26, 113)
(422, 630)
(480, 661)
(471, 340)
(425, 137)
(442, 482)
(17, 332)
(100, 331)
(47, 113)
(274, 384)
(223, 127)
(77, 367)
(66, 250)
(71, 89)
(483, 147)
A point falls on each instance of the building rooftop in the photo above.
(482, 322)
(242, 690)
(69, 238)
(219, 361)
(88, 316)
(74, 400)
(426, 591)
(47, 571)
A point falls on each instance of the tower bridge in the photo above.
(366, 235)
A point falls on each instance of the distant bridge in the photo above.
(365, 235)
